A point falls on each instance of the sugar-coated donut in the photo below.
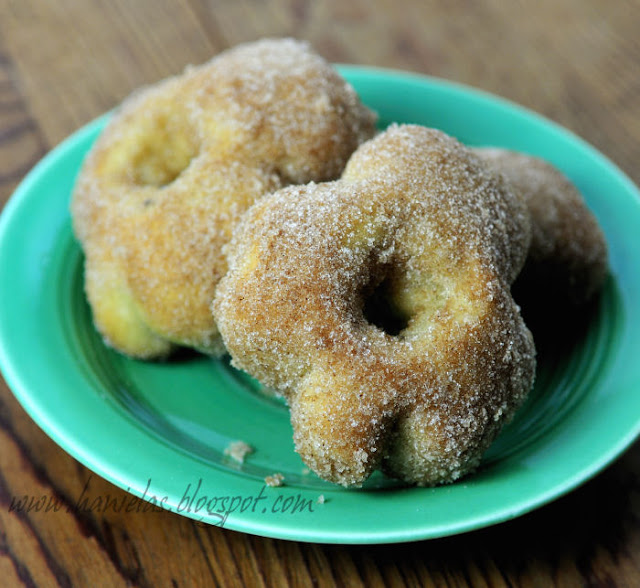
(160, 192)
(567, 260)
(379, 305)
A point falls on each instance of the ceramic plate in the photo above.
(159, 430)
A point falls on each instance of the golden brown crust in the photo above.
(418, 222)
(567, 261)
(178, 164)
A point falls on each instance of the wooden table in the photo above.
(63, 63)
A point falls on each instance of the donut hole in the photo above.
(164, 150)
(382, 310)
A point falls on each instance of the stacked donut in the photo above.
(367, 279)
(567, 260)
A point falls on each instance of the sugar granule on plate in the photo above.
(238, 450)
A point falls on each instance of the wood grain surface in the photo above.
(64, 62)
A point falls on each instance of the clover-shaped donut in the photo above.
(379, 305)
(160, 192)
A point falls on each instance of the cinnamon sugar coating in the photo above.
(178, 164)
(379, 305)
(567, 261)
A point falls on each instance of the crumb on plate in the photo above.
(238, 450)
(274, 480)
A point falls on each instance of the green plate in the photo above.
(159, 430)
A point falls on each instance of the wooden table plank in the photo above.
(78, 58)
(21, 142)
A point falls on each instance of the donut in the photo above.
(379, 306)
(567, 261)
(161, 190)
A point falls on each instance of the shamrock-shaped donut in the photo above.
(177, 165)
(379, 305)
